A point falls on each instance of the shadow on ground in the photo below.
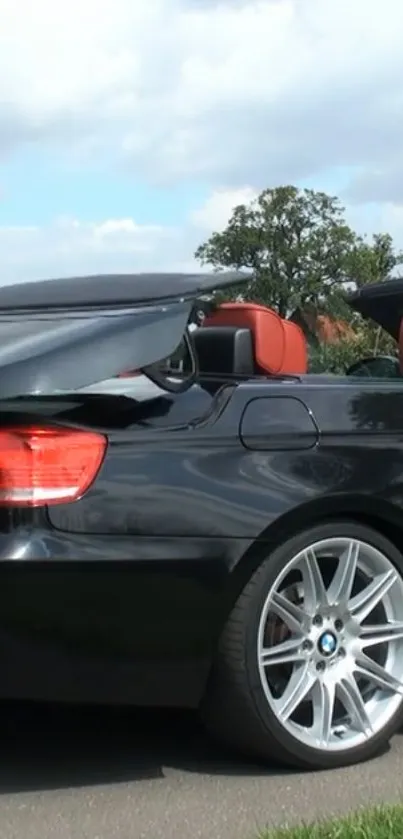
(53, 747)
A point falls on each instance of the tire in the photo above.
(236, 709)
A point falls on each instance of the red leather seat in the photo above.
(296, 353)
(279, 345)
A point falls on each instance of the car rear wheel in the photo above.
(309, 669)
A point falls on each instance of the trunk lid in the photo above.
(70, 333)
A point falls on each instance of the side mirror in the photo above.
(376, 367)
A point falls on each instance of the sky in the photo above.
(130, 129)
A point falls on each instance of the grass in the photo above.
(380, 823)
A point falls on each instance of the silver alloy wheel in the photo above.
(335, 677)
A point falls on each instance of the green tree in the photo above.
(371, 261)
(337, 358)
(374, 261)
(301, 252)
(296, 242)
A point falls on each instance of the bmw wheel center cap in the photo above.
(327, 644)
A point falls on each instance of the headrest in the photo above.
(279, 345)
(226, 350)
(296, 352)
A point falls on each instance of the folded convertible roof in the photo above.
(113, 290)
(382, 302)
(70, 333)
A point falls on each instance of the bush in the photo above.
(337, 358)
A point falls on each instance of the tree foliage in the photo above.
(336, 358)
(374, 261)
(301, 252)
(295, 242)
(299, 249)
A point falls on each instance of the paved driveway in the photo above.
(100, 775)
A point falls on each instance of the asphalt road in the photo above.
(104, 774)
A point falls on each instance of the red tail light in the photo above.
(41, 466)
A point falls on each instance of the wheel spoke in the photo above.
(340, 589)
(292, 615)
(315, 595)
(345, 585)
(299, 686)
(283, 653)
(353, 703)
(323, 699)
(380, 633)
(377, 675)
(365, 601)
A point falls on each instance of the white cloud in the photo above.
(390, 220)
(68, 247)
(215, 212)
(239, 93)
(250, 92)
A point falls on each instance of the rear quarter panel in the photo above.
(138, 576)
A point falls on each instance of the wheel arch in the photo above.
(371, 511)
(238, 708)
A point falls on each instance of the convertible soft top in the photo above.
(112, 290)
(382, 302)
(69, 333)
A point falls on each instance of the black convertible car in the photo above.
(228, 538)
